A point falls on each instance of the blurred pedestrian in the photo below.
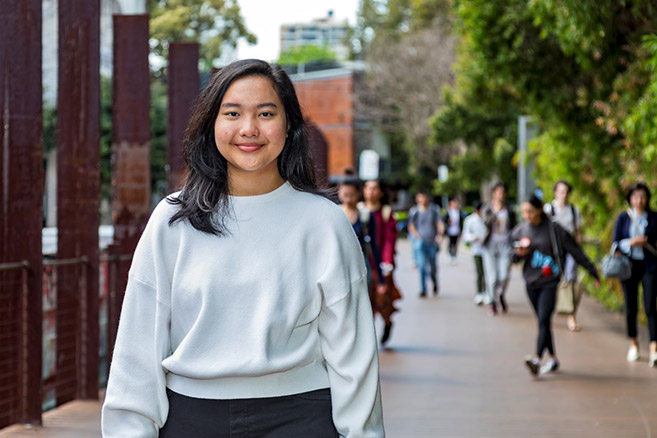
(499, 220)
(376, 204)
(543, 244)
(567, 215)
(246, 304)
(474, 233)
(427, 228)
(636, 236)
(453, 219)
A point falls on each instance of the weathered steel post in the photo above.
(183, 87)
(131, 179)
(78, 198)
(21, 216)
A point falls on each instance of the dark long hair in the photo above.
(204, 200)
(634, 188)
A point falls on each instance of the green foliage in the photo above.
(305, 55)
(159, 140)
(106, 138)
(586, 71)
(212, 23)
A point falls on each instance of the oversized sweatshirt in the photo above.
(278, 306)
(541, 267)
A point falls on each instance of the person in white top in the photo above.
(246, 311)
(474, 233)
(561, 211)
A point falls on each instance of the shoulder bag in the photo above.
(616, 266)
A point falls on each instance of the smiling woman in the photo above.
(246, 311)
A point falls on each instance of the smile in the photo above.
(249, 147)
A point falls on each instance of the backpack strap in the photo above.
(556, 246)
(575, 227)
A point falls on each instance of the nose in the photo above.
(249, 127)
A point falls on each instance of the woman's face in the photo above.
(372, 192)
(561, 192)
(251, 127)
(638, 199)
(499, 194)
(530, 213)
(348, 195)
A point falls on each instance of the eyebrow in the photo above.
(237, 105)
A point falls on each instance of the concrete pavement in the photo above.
(450, 370)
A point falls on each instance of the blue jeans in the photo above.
(426, 255)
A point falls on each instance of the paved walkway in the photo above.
(452, 371)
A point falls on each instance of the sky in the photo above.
(264, 19)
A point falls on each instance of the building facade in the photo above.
(325, 32)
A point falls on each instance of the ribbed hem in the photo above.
(308, 378)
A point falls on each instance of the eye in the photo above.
(266, 114)
(231, 114)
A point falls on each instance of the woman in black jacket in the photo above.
(543, 246)
(635, 235)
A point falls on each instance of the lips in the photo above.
(249, 147)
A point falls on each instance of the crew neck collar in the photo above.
(265, 197)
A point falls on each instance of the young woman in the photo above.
(543, 245)
(567, 215)
(246, 311)
(500, 220)
(383, 302)
(636, 236)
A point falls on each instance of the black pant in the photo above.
(631, 294)
(453, 245)
(481, 280)
(300, 415)
(543, 300)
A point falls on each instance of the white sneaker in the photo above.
(653, 360)
(550, 366)
(487, 299)
(633, 353)
(479, 299)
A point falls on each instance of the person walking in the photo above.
(246, 309)
(427, 227)
(474, 233)
(454, 226)
(542, 244)
(499, 220)
(380, 214)
(635, 235)
(568, 217)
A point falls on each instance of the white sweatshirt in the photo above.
(277, 307)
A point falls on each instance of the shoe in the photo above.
(479, 299)
(435, 289)
(633, 353)
(423, 294)
(493, 309)
(505, 308)
(487, 299)
(550, 366)
(386, 333)
(533, 364)
(573, 326)
(653, 360)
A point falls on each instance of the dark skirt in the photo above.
(299, 415)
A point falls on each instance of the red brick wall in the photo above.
(328, 103)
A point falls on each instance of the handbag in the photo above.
(616, 266)
(569, 294)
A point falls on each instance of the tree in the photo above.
(305, 55)
(212, 23)
(409, 49)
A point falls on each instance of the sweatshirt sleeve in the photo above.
(347, 338)
(136, 403)
(572, 248)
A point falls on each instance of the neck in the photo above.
(253, 183)
(373, 205)
(639, 210)
(561, 202)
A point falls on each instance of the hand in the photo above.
(639, 241)
(381, 289)
(522, 251)
(597, 284)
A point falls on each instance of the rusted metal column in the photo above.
(130, 138)
(183, 87)
(78, 198)
(21, 216)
